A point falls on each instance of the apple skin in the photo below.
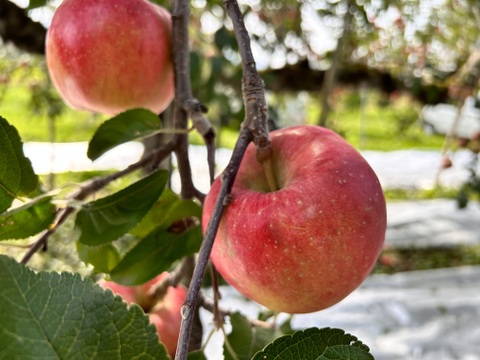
(112, 55)
(308, 245)
(165, 314)
(167, 317)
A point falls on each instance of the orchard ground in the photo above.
(431, 314)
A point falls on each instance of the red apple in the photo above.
(308, 245)
(112, 55)
(164, 314)
(167, 317)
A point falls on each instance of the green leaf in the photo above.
(225, 38)
(127, 126)
(168, 208)
(106, 219)
(102, 257)
(245, 339)
(62, 316)
(36, 3)
(27, 220)
(154, 254)
(16, 173)
(318, 344)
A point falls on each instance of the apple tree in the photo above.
(149, 244)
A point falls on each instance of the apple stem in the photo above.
(267, 166)
(217, 316)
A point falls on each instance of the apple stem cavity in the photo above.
(264, 157)
(268, 170)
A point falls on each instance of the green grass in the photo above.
(397, 260)
(376, 123)
(28, 98)
(420, 194)
(367, 122)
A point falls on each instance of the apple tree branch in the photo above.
(186, 106)
(255, 127)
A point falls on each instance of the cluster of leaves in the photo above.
(143, 212)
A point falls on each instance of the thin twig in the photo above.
(222, 202)
(210, 305)
(186, 106)
(218, 317)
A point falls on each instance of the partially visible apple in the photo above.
(167, 317)
(112, 55)
(164, 314)
(309, 244)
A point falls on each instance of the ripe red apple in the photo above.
(112, 55)
(308, 245)
(164, 314)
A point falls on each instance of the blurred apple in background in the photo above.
(112, 55)
(164, 314)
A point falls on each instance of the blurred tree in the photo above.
(414, 46)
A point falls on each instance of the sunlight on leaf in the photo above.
(102, 257)
(27, 220)
(127, 126)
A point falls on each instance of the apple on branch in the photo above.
(309, 244)
(164, 314)
(112, 55)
